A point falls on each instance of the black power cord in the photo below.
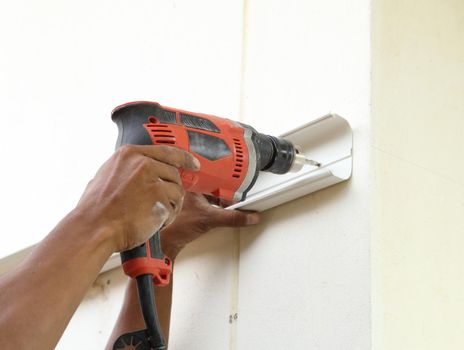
(150, 314)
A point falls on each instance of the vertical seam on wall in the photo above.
(370, 28)
(234, 291)
(377, 310)
(233, 317)
(243, 59)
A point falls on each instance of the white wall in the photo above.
(304, 272)
(299, 280)
(65, 65)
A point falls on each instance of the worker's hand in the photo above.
(197, 217)
(136, 192)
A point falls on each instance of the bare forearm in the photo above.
(39, 297)
(115, 213)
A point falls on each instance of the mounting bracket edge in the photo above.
(328, 140)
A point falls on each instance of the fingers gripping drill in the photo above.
(231, 155)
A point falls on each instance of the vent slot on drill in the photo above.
(161, 134)
(195, 122)
(238, 158)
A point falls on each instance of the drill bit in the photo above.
(300, 160)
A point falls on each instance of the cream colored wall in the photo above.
(418, 194)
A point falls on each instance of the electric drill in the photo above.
(231, 155)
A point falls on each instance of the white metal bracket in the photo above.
(328, 140)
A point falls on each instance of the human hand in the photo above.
(136, 192)
(197, 217)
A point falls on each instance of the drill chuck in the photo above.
(274, 155)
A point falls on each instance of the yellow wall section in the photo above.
(418, 144)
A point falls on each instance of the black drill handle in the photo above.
(148, 265)
(148, 259)
(153, 245)
(137, 252)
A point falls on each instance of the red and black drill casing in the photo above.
(231, 155)
(223, 147)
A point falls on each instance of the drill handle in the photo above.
(148, 259)
(148, 265)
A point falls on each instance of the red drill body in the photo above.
(231, 154)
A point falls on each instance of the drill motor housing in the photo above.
(231, 154)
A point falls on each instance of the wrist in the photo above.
(169, 248)
(94, 230)
(170, 252)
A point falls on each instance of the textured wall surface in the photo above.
(418, 139)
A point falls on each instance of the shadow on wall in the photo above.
(207, 244)
(312, 203)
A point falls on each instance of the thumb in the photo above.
(233, 218)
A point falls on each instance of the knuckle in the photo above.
(144, 165)
(167, 150)
(181, 190)
(171, 213)
(204, 224)
(177, 177)
(177, 154)
(180, 205)
(181, 194)
(125, 150)
(188, 158)
(158, 187)
(178, 195)
(236, 219)
(173, 172)
(170, 155)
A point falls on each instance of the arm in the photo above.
(197, 217)
(116, 212)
